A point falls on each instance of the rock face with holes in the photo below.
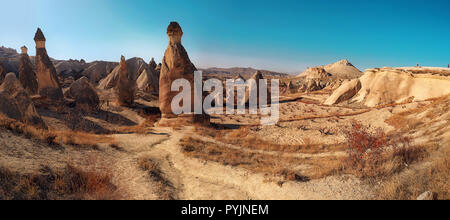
(344, 92)
(84, 94)
(27, 76)
(126, 85)
(175, 65)
(48, 83)
(16, 103)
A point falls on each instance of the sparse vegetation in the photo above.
(434, 177)
(165, 187)
(272, 165)
(372, 154)
(54, 137)
(48, 184)
(243, 137)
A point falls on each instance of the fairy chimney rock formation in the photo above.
(16, 103)
(152, 64)
(39, 38)
(24, 50)
(48, 83)
(126, 85)
(27, 76)
(175, 65)
(254, 87)
(2, 73)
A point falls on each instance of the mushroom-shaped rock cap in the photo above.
(24, 50)
(39, 36)
(175, 32)
(258, 75)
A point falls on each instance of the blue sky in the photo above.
(283, 35)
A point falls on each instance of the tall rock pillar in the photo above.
(175, 65)
(48, 83)
(27, 76)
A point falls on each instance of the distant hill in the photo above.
(236, 71)
(342, 69)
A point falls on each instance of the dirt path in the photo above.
(131, 180)
(191, 178)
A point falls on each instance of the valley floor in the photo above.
(299, 158)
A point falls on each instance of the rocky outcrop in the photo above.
(84, 95)
(98, 70)
(27, 76)
(343, 69)
(316, 73)
(387, 86)
(9, 60)
(48, 83)
(175, 65)
(231, 96)
(311, 85)
(254, 86)
(291, 88)
(126, 85)
(135, 67)
(339, 70)
(148, 81)
(344, 92)
(16, 103)
(152, 64)
(158, 71)
(70, 67)
(426, 196)
(2, 73)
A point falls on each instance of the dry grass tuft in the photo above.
(165, 187)
(70, 183)
(403, 121)
(243, 137)
(50, 137)
(272, 165)
(434, 178)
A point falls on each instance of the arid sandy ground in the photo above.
(158, 163)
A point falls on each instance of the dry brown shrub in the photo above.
(70, 183)
(272, 165)
(408, 186)
(372, 154)
(52, 137)
(404, 122)
(165, 188)
(243, 137)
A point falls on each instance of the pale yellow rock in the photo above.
(344, 92)
(388, 85)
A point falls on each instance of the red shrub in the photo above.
(364, 144)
